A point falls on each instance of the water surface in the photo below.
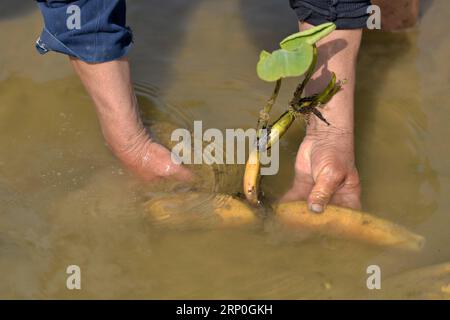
(65, 200)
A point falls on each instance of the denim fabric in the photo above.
(346, 14)
(101, 35)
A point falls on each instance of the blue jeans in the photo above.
(95, 30)
(91, 30)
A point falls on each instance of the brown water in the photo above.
(65, 200)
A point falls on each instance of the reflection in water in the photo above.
(65, 200)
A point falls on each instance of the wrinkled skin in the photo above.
(325, 172)
(110, 87)
(325, 165)
(150, 160)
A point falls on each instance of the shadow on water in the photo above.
(389, 124)
(12, 9)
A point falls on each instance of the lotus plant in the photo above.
(296, 57)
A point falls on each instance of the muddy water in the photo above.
(65, 200)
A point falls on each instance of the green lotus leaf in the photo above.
(285, 63)
(310, 36)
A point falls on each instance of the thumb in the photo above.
(324, 188)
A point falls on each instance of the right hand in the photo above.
(325, 173)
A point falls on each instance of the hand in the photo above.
(325, 169)
(162, 166)
(109, 84)
(152, 161)
(325, 172)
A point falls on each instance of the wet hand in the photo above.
(161, 164)
(150, 161)
(325, 172)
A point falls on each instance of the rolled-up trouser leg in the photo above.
(346, 14)
(90, 30)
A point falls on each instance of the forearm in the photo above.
(325, 165)
(110, 87)
(337, 53)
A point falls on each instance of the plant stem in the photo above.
(264, 114)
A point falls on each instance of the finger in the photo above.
(348, 196)
(300, 188)
(184, 174)
(326, 185)
(347, 200)
(298, 191)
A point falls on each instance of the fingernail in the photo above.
(317, 208)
